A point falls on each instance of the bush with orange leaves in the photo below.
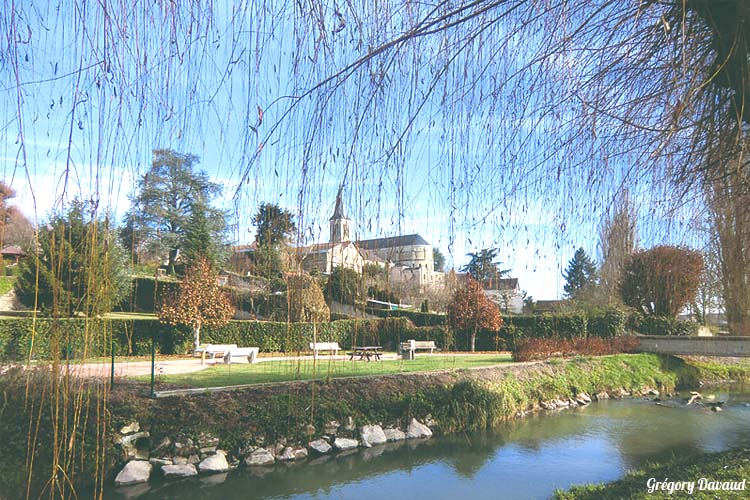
(198, 301)
(471, 311)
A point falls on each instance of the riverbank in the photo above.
(291, 415)
(722, 475)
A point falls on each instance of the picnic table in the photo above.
(366, 352)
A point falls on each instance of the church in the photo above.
(407, 258)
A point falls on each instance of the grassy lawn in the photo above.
(6, 284)
(733, 465)
(282, 371)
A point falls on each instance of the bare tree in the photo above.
(618, 239)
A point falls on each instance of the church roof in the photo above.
(338, 211)
(393, 241)
(322, 247)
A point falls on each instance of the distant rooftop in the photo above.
(500, 284)
(13, 250)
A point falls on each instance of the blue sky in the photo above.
(423, 145)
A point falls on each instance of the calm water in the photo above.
(523, 459)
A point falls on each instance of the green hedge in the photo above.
(76, 336)
(145, 293)
(656, 325)
(416, 317)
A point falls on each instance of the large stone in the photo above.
(583, 398)
(320, 446)
(134, 472)
(286, 455)
(130, 428)
(130, 439)
(214, 463)
(260, 456)
(179, 460)
(394, 434)
(343, 444)
(417, 430)
(300, 453)
(186, 470)
(372, 434)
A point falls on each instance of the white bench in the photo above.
(332, 347)
(216, 350)
(415, 345)
(241, 355)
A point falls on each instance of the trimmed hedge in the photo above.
(416, 317)
(145, 293)
(76, 336)
(605, 323)
(657, 325)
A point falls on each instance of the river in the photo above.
(524, 459)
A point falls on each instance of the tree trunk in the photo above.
(171, 263)
(473, 340)
(196, 336)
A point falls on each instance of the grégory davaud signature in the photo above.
(689, 487)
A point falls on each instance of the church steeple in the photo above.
(340, 224)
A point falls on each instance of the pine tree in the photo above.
(580, 275)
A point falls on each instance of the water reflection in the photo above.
(524, 459)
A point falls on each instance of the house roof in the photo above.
(12, 250)
(245, 248)
(500, 284)
(393, 241)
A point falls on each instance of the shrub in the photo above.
(77, 336)
(545, 348)
(657, 325)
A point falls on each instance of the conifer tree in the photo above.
(580, 275)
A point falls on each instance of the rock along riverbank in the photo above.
(257, 426)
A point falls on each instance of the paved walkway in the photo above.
(186, 365)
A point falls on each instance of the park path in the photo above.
(176, 366)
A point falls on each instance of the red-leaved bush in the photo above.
(533, 349)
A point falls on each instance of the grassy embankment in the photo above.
(459, 400)
(288, 370)
(733, 466)
(6, 284)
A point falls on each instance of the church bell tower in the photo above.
(340, 224)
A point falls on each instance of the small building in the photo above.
(504, 292)
(12, 254)
(407, 258)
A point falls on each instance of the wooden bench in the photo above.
(241, 355)
(216, 350)
(332, 347)
(418, 345)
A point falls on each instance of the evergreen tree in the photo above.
(438, 260)
(482, 265)
(580, 275)
(167, 195)
(200, 242)
(80, 265)
(275, 225)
